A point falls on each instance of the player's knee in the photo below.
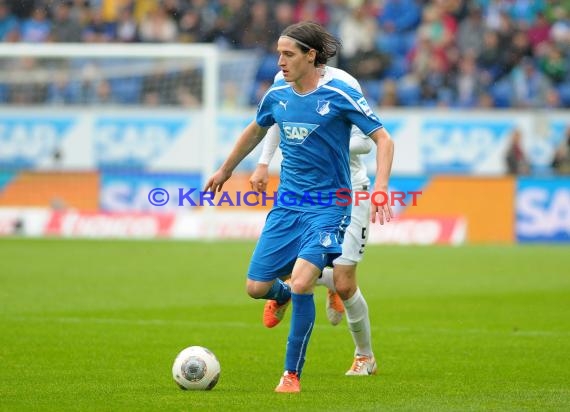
(301, 286)
(257, 290)
(345, 289)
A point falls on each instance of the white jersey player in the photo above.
(343, 292)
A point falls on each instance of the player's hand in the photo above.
(383, 212)
(259, 178)
(216, 182)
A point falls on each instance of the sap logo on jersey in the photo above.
(543, 210)
(134, 142)
(297, 133)
(29, 141)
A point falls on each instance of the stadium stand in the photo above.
(451, 53)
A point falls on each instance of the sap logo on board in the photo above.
(26, 141)
(460, 146)
(297, 133)
(134, 142)
(543, 210)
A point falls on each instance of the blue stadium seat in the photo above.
(564, 92)
(388, 43)
(373, 90)
(127, 90)
(268, 68)
(398, 67)
(501, 93)
(4, 93)
(408, 93)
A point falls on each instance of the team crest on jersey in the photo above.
(326, 239)
(297, 133)
(323, 107)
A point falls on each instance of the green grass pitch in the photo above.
(96, 325)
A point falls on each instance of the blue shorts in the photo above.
(291, 234)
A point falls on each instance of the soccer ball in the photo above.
(196, 368)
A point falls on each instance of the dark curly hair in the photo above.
(309, 35)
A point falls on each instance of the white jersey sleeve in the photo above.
(270, 144)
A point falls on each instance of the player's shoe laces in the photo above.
(289, 383)
(273, 312)
(362, 366)
(335, 308)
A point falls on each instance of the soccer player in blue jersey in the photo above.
(301, 236)
(343, 290)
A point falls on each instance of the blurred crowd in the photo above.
(442, 53)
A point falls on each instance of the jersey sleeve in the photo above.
(359, 112)
(264, 116)
(270, 144)
(359, 142)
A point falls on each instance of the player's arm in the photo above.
(249, 138)
(384, 157)
(260, 176)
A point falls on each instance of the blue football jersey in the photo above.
(315, 133)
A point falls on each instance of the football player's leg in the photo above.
(320, 245)
(273, 257)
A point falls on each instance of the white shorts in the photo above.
(356, 235)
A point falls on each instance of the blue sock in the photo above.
(302, 321)
(280, 291)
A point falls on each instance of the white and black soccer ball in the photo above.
(196, 368)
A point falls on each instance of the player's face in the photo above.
(294, 63)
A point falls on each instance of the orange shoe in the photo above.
(273, 312)
(335, 308)
(289, 383)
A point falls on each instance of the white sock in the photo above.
(327, 279)
(359, 323)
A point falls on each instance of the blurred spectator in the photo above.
(434, 85)
(552, 99)
(560, 30)
(229, 25)
(158, 27)
(9, 26)
(539, 32)
(173, 9)
(190, 27)
(284, 16)
(529, 85)
(471, 31)
(437, 26)
(554, 65)
(561, 160)
(313, 10)
(358, 54)
(489, 58)
(390, 95)
(126, 27)
(422, 54)
(259, 30)
(512, 55)
(467, 82)
(517, 163)
(524, 12)
(37, 28)
(64, 29)
(97, 29)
